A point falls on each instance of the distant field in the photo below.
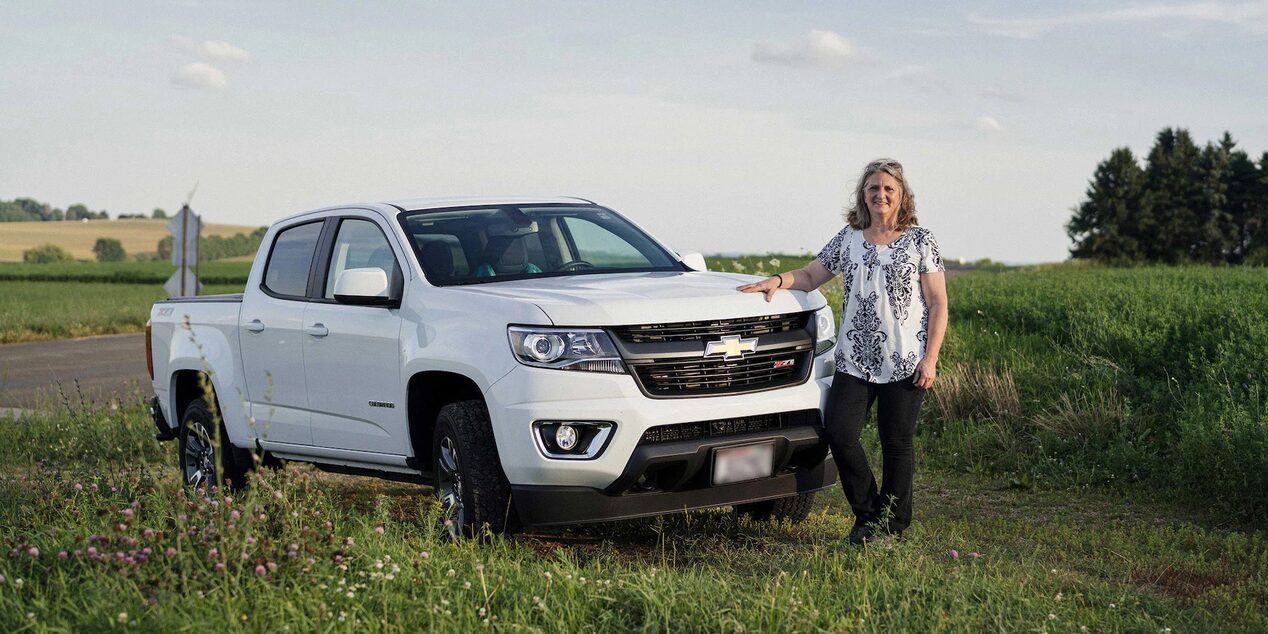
(32, 311)
(78, 237)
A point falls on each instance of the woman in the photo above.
(893, 318)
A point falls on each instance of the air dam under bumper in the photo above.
(674, 476)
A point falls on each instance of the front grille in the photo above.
(729, 426)
(701, 330)
(704, 377)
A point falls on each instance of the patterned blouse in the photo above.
(884, 319)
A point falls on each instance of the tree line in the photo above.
(1185, 204)
(31, 210)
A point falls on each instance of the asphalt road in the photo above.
(36, 375)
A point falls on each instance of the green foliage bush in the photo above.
(45, 254)
(1149, 375)
(109, 250)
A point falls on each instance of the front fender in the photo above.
(211, 350)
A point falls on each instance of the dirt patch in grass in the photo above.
(1177, 583)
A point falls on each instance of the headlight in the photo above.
(587, 350)
(825, 330)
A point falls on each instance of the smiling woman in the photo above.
(893, 318)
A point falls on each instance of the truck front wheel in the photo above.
(794, 508)
(206, 457)
(472, 488)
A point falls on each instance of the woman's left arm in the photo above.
(933, 286)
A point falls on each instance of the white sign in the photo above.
(173, 284)
(185, 227)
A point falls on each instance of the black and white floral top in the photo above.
(884, 319)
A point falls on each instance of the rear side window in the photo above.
(287, 270)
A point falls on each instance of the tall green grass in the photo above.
(217, 272)
(33, 311)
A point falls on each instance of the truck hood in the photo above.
(619, 299)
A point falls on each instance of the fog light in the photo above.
(566, 437)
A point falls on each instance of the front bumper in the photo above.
(675, 476)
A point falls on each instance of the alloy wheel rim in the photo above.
(449, 481)
(200, 456)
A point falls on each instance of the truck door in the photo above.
(271, 336)
(352, 354)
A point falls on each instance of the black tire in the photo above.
(201, 451)
(794, 508)
(470, 484)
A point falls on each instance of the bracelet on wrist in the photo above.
(781, 280)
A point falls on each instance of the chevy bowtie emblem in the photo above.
(730, 346)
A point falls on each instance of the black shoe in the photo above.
(861, 534)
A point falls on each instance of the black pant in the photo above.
(898, 405)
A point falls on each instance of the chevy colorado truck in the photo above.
(537, 362)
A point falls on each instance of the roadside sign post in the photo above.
(185, 227)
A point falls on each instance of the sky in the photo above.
(720, 127)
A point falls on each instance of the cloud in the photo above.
(201, 76)
(993, 92)
(988, 124)
(212, 50)
(821, 49)
(1251, 16)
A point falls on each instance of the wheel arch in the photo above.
(427, 393)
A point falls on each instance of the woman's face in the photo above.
(883, 195)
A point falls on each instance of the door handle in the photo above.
(255, 325)
(316, 330)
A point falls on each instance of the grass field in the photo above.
(78, 237)
(99, 537)
(34, 311)
(1094, 453)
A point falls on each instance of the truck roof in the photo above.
(414, 204)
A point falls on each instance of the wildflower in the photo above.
(272, 567)
(92, 551)
(425, 555)
(213, 553)
(33, 551)
(128, 513)
(954, 554)
(1052, 617)
(170, 552)
(2, 580)
(17, 583)
(975, 555)
(63, 555)
(466, 585)
(148, 533)
(79, 487)
(235, 515)
(379, 529)
(219, 568)
(250, 539)
(451, 572)
(259, 570)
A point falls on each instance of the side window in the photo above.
(359, 244)
(601, 247)
(287, 270)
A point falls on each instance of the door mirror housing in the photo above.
(694, 261)
(364, 287)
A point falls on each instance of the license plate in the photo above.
(736, 464)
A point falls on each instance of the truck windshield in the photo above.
(487, 244)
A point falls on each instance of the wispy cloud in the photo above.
(999, 94)
(821, 49)
(1252, 16)
(201, 76)
(988, 124)
(212, 50)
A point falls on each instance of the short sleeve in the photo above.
(832, 256)
(930, 257)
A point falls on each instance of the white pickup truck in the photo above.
(537, 361)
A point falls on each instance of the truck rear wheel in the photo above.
(794, 508)
(206, 457)
(473, 491)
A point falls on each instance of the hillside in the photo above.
(78, 237)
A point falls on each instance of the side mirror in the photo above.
(364, 287)
(694, 261)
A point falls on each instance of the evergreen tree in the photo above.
(1216, 232)
(1173, 182)
(1113, 221)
